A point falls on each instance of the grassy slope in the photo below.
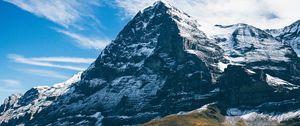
(207, 117)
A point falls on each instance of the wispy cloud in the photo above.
(131, 7)
(84, 41)
(65, 59)
(261, 13)
(75, 17)
(10, 83)
(32, 61)
(46, 73)
(65, 13)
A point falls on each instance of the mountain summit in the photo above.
(161, 63)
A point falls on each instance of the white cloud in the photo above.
(131, 7)
(78, 16)
(75, 16)
(65, 59)
(10, 83)
(65, 13)
(46, 73)
(260, 13)
(87, 42)
(24, 60)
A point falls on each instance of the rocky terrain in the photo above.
(162, 63)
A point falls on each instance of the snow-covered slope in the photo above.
(34, 100)
(245, 43)
(289, 34)
(277, 82)
(258, 50)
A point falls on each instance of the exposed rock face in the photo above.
(9, 102)
(161, 64)
(240, 87)
(243, 87)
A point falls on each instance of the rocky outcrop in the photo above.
(9, 102)
(242, 87)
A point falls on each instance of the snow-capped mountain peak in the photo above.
(289, 35)
(249, 44)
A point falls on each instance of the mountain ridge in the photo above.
(289, 35)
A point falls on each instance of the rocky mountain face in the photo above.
(20, 109)
(257, 50)
(161, 63)
(289, 35)
(256, 91)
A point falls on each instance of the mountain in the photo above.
(289, 34)
(19, 109)
(162, 63)
(255, 49)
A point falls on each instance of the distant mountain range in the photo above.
(163, 64)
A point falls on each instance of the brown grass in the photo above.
(209, 117)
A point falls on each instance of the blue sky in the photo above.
(34, 51)
(43, 42)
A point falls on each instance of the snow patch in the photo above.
(278, 118)
(222, 66)
(274, 81)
